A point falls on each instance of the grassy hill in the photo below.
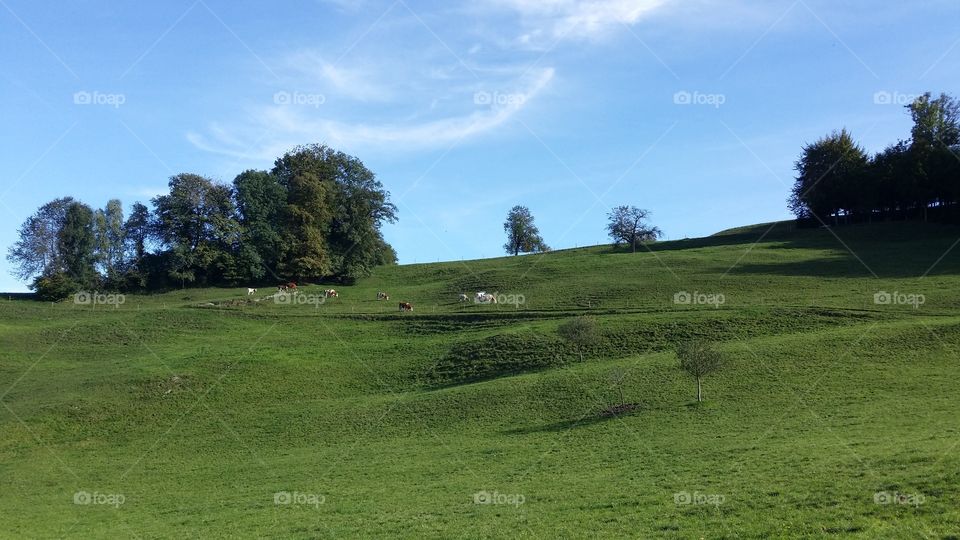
(188, 413)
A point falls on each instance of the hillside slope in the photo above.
(344, 417)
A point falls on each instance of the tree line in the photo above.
(918, 178)
(316, 215)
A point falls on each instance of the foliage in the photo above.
(580, 332)
(523, 236)
(838, 182)
(628, 225)
(55, 287)
(317, 214)
(699, 358)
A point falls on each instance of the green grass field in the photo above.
(205, 413)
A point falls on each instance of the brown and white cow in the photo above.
(406, 306)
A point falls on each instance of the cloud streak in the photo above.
(275, 129)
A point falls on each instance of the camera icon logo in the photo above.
(482, 497)
(82, 98)
(82, 497)
(282, 497)
(883, 298)
(682, 498)
(482, 98)
(682, 98)
(682, 297)
(882, 98)
(282, 98)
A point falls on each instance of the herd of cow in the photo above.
(481, 297)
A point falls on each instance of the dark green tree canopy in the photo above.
(910, 179)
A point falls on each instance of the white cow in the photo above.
(251, 291)
(484, 297)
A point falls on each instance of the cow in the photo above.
(291, 286)
(383, 296)
(406, 306)
(331, 293)
(251, 291)
(281, 288)
(484, 297)
(463, 298)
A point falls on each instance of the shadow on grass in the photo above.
(564, 425)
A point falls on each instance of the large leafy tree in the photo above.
(523, 236)
(77, 243)
(934, 137)
(137, 231)
(360, 206)
(196, 222)
(334, 210)
(307, 214)
(37, 249)
(936, 121)
(628, 225)
(113, 213)
(828, 175)
(261, 201)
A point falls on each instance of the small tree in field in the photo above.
(628, 225)
(699, 359)
(618, 378)
(581, 332)
(523, 236)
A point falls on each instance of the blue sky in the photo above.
(694, 109)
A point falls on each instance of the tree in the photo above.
(581, 332)
(628, 225)
(114, 236)
(77, 245)
(360, 207)
(101, 241)
(936, 121)
(618, 379)
(522, 235)
(698, 358)
(136, 232)
(260, 200)
(829, 170)
(934, 135)
(37, 250)
(195, 221)
(307, 214)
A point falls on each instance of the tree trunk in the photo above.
(699, 391)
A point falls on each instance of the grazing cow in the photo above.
(463, 298)
(383, 296)
(330, 293)
(292, 286)
(406, 306)
(251, 291)
(281, 288)
(484, 297)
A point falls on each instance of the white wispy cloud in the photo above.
(311, 72)
(273, 130)
(552, 19)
